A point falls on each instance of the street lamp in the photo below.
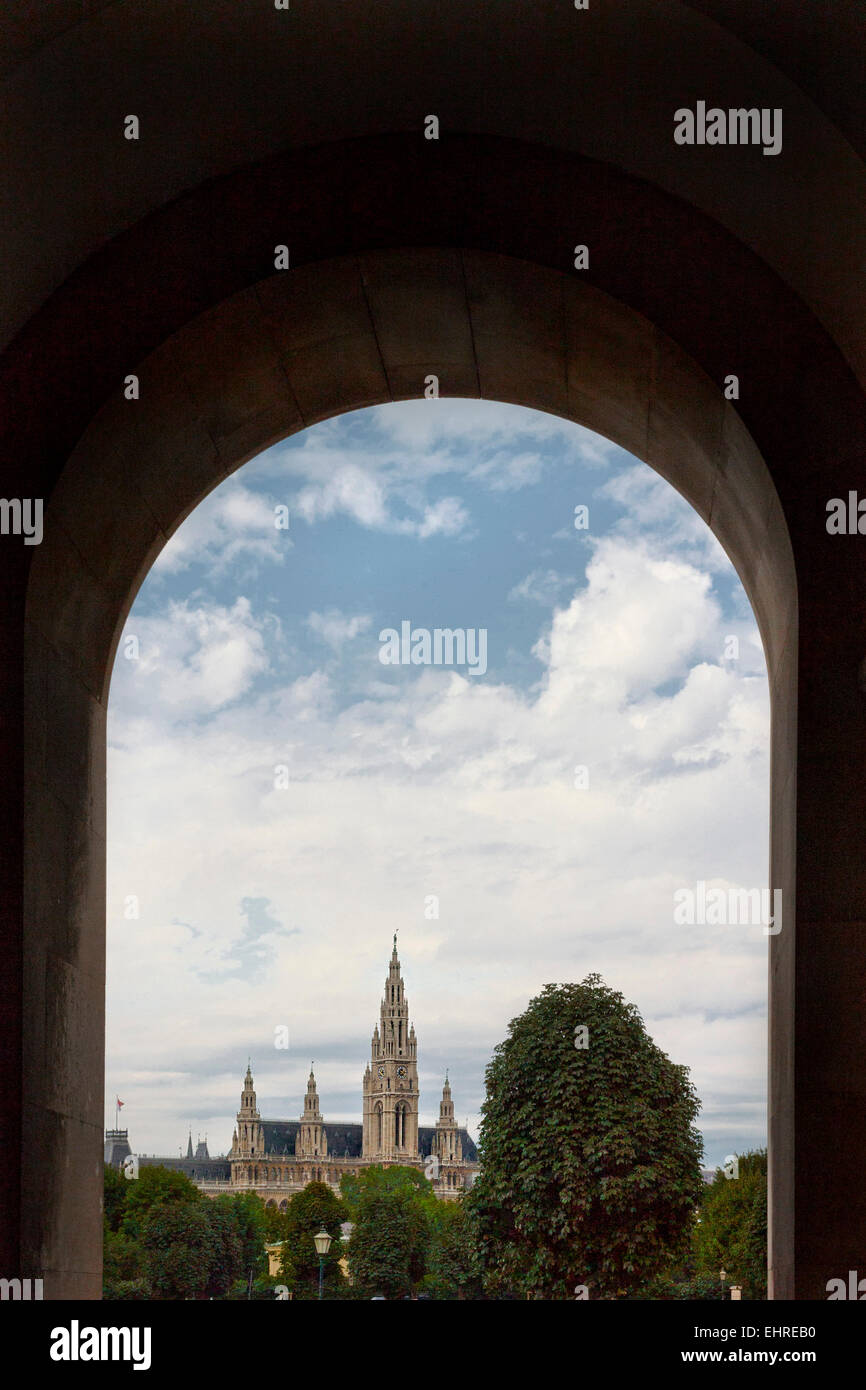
(322, 1242)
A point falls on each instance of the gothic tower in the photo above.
(312, 1141)
(447, 1144)
(391, 1079)
(249, 1138)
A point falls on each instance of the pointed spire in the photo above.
(189, 1145)
(446, 1105)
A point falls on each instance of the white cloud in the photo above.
(193, 661)
(653, 508)
(447, 517)
(539, 586)
(338, 628)
(383, 486)
(232, 527)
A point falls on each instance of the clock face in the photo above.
(401, 1071)
(381, 1071)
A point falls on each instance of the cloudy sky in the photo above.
(281, 801)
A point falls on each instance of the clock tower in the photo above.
(391, 1079)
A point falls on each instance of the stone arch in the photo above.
(333, 336)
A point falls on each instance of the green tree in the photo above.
(114, 1192)
(453, 1264)
(396, 1177)
(275, 1225)
(392, 1212)
(181, 1246)
(317, 1207)
(589, 1157)
(155, 1187)
(237, 1222)
(227, 1263)
(732, 1231)
(248, 1214)
(123, 1266)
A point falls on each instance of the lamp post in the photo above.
(323, 1244)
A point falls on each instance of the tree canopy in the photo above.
(392, 1210)
(316, 1208)
(590, 1162)
(165, 1240)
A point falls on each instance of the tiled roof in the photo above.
(345, 1139)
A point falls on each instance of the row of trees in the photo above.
(164, 1240)
(590, 1186)
(404, 1241)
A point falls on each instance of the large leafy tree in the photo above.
(732, 1231)
(589, 1157)
(392, 1210)
(317, 1207)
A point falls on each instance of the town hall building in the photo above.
(277, 1158)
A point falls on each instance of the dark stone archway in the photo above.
(403, 265)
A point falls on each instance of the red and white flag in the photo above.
(120, 1103)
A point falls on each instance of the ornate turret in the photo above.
(250, 1136)
(312, 1140)
(447, 1144)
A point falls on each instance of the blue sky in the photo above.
(263, 906)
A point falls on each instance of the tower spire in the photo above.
(391, 1080)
